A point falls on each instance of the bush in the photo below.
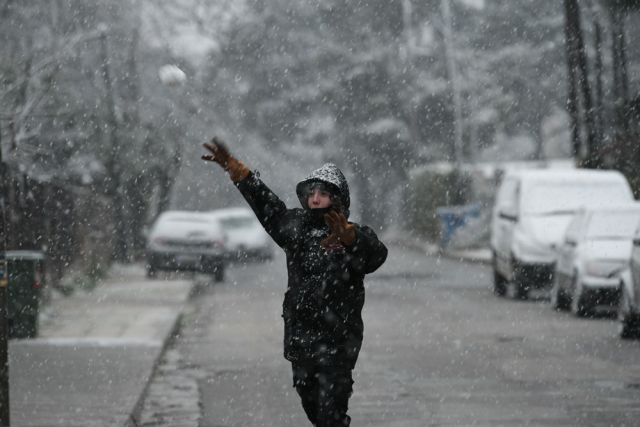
(81, 278)
(429, 190)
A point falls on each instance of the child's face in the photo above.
(319, 199)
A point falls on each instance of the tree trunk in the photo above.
(165, 183)
(4, 9)
(624, 75)
(575, 43)
(620, 76)
(113, 158)
(3, 201)
(572, 95)
(135, 199)
(538, 153)
(453, 81)
(599, 96)
(138, 202)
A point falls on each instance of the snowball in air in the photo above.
(171, 75)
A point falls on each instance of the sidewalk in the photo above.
(96, 352)
(479, 255)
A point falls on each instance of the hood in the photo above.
(187, 231)
(549, 230)
(248, 238)
(333, 177)
(608, 249)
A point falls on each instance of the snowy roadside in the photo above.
(103, 343)
(413, 241)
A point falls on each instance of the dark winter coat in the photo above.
(322, 307)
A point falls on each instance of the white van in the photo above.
(531, 213)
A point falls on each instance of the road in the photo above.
(439, 350)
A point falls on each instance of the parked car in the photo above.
(530, 216)
(596, 247)
(629, 304)
(246, 238)
(185, 240)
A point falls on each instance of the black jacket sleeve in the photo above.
(367, 252)
(270, 210)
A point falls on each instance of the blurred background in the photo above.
(104, 107)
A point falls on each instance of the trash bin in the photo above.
(26, 278)
(454, 217)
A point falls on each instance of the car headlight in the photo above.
(603, 268)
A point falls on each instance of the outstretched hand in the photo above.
(220, 154)
(341, 232)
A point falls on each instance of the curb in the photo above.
(467, 257)
(134, 417)
(434, 250)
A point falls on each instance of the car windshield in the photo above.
(562, 199)
(238, 222)
(613, 225)
(177, 223)
(188, 220)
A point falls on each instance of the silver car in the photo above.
(246, 238)
(629, 305)
(595, 249)
(186, 240)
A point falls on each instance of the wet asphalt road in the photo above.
(439, 350)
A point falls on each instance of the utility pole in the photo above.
(113, 158)
(453, 81)
(4, 296)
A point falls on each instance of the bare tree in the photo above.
(620, 75)
(578, 70)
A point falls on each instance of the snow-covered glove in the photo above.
(220, 154)
(341, 231)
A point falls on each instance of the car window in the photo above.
(548, 198)
(238, 222)
(176, 223)
(612, 225)
(188, 220)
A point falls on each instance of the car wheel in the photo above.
(499, 282)
(580, 303)
(630, 328)
(151, 271)
(559, 299)
(629, 322)
(218, 273)
(520, 280)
